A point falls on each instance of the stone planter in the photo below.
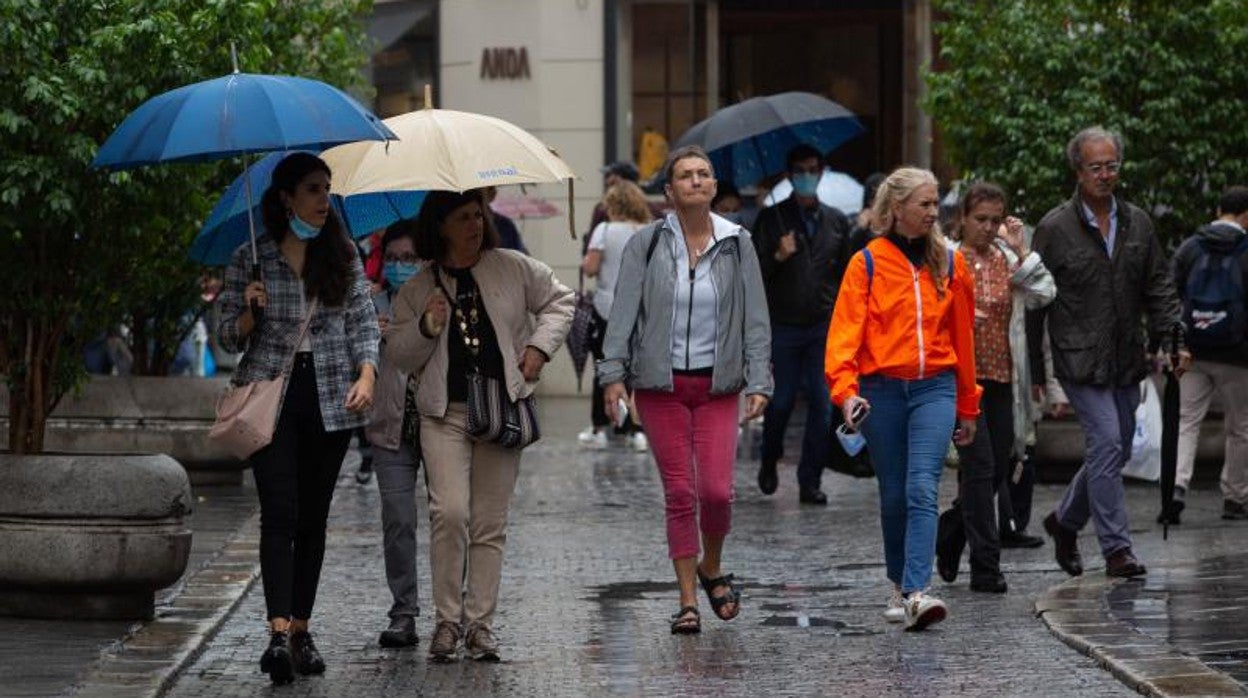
(143, 414)
(90, 536)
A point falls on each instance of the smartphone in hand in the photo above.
(621, 413)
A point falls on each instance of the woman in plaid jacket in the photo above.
(307, 266)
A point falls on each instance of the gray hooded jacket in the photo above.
(638, 345)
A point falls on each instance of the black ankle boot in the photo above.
(306, 657)
(276, 660)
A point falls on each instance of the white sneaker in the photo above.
(923, 610)
(596, 440)
(639, 442)
(895, 612)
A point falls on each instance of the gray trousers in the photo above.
(1107, 415)
(396, 480)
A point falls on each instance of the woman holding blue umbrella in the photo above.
(319, 328)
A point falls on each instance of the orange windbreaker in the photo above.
(900, 328)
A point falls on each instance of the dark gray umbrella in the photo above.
(749, 140)
(1170, 431)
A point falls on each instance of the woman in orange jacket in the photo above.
(900, 364)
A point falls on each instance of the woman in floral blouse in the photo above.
(1009, 279)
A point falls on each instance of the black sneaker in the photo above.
(1015, 539)
(1234, 511)
(365, 474)
(276, 660)
(306, 657)
(401, 633)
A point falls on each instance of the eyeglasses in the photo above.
(404, 258)
(1099, 168)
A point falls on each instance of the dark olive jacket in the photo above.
(1108, 310)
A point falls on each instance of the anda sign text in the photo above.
(505, 64)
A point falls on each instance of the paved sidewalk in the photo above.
(48, 657)
(1180, 630)
(587, 591)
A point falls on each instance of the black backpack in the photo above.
(1213, 300)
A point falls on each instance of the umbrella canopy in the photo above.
(238, 114)
(228, 225)
(448, 150)
(749, 140)
(836, 189)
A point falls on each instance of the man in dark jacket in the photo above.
(803, 246)
(1219, 349)
(1110, 273)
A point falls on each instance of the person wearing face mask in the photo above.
(394, 433)
(315, 302)
(803, 247)
(727, 203)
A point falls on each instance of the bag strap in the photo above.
(303, 330)
(870, 262)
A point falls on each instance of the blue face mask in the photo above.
(805, 183)
(852, 441)
(303, 229)
(397, 273)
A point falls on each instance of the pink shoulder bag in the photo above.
(247, 414)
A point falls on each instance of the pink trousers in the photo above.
(693, 436)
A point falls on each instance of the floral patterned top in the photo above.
(993, 307)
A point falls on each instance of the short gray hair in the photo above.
(1093, 133)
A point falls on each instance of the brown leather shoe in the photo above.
(1065, 546)
(1123, 564)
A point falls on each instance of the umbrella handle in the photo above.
(257, 313)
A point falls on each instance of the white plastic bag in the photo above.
(1145, 462)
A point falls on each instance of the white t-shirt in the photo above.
(609, 239)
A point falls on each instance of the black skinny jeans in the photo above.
(984, 464)
(295, 476)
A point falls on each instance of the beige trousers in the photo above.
(470, 487)
(1196, 388)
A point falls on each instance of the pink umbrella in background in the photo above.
(524, 206)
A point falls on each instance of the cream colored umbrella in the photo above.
(448, 150)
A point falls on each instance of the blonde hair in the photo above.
(625, 201)
(897, 188)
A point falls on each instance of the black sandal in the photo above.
(733, 596)
(682, 625)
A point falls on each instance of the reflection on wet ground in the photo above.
(1202, 610)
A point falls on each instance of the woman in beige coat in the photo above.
(475, 308)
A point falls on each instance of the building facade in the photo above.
(590, 77)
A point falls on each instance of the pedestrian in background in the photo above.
(1210, 269)
(803, 246)
(394, 433)
(627, 212)
(901, 366)
(509, 317)
(508, 234)
(863, 231)
(1111, 275)
(689, 331)
(316, 307)
(1008, 278)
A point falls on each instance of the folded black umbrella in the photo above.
(1170, 431)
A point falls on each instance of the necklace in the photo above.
(468, 321)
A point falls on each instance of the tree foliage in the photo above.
(1015, 79)
(83, 250)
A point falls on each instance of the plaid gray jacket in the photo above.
(343, 338)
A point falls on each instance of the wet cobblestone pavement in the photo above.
(587, 591)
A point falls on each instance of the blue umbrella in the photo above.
(228, 225)
(239, 114)
(749, 140)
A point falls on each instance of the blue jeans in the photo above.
(908, 431)
(1107, 415)
(797, 353)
